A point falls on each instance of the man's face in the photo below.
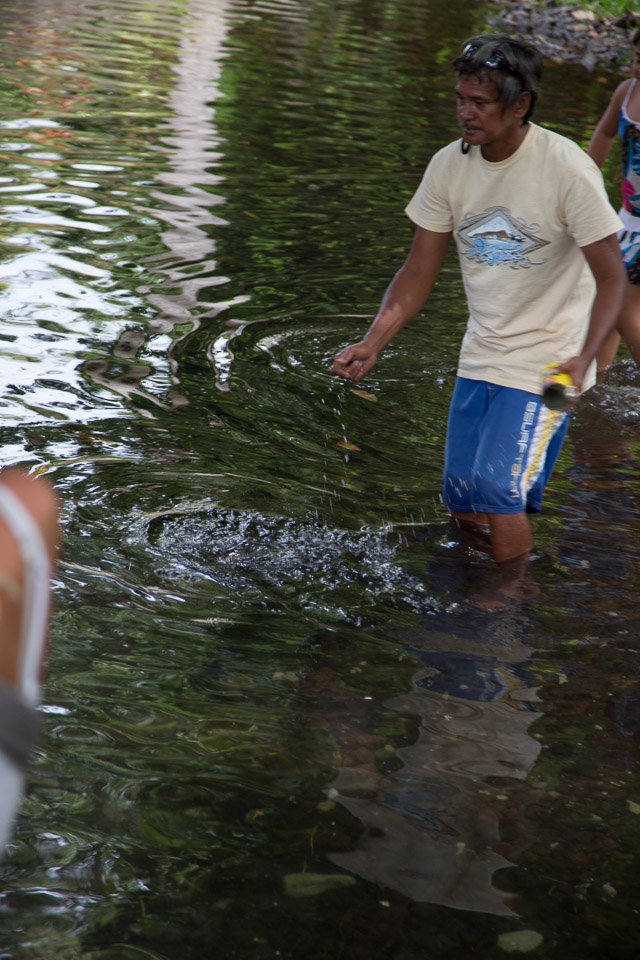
(482, 117)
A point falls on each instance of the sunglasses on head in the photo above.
(496, 61)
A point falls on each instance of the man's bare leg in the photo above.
(477, 523)
(511, 547)
(511, 536)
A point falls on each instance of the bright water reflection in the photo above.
(275, 726)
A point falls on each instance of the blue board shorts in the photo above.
(502, 445)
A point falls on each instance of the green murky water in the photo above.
(274, 725)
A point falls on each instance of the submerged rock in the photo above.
(520, 941)
(312, 884)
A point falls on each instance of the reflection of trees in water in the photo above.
(599, 511)
(185, 208)
(299, 168)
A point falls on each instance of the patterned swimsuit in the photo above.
(629, 237)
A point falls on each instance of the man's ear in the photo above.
(523, 103)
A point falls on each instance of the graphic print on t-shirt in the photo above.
(496, 236)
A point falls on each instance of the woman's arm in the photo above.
(607, 129)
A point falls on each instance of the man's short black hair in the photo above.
(514, 65)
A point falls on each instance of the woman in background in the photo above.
(622, 118)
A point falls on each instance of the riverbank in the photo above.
(570, 34)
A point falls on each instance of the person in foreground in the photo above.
(28, 546)
(544, 280)
(618, 120)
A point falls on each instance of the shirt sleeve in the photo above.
(586, 208)
(429, 207)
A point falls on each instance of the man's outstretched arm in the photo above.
(405, 296)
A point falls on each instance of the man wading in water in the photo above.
(536, 238)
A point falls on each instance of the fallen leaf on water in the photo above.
(365, 396)
(633, 807)
(311, 884)
(347, 446)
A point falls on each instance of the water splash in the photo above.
(245, 548)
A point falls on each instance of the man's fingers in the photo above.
(350, 371)
(353, 362)
(345, 361)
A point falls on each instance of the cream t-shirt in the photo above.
(519, 225)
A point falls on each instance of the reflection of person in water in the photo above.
(431, 828)
(28, 544)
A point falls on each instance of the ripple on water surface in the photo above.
(262, 670)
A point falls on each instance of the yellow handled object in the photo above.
(557, 388)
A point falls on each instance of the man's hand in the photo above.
(355, 361)
(577, 368)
